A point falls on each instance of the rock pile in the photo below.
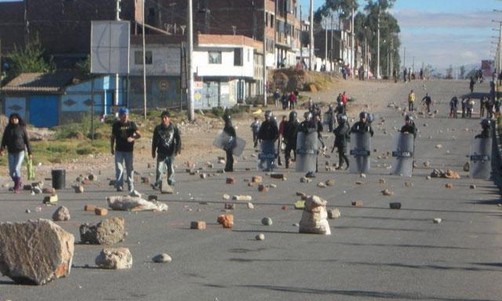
(315, 217)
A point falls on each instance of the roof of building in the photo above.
(40, 82)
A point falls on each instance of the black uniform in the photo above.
(290, 135)
(230, 131)
(341, 138)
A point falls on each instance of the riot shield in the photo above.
(267, 155)
(222, 140)
(403, 152)
(481, 155)
(360, 150)
(306, 152)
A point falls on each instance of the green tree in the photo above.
(29, 59)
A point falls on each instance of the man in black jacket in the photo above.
(166, 144)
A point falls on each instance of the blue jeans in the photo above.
(15, 163)
(163, 165)
(124, 160)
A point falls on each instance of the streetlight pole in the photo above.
(378, 44)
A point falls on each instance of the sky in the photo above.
(444, 33)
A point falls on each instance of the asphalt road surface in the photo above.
(374, 253)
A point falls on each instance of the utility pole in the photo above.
(117, 77)
(352, 59)
(311, 48)
(190, 104)
(325, 44)
(264, 53)
(144, 58)
(378, 44)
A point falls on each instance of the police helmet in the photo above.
(342, 118)
(268, 114)
(370, 117)
(307, 115)
(227, 118)
(363, 115)
(408, 118)
(485, 122)
(292, 115)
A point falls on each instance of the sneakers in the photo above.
(120, 188)
(134, 193)
(155, 186)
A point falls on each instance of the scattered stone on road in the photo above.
(35, 252)
(61, 214)
(107, 232)
(114, 258)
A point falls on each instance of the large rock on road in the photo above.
(35, 252)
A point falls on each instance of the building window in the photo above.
(138, 59)
(214, 57)
(238, 57)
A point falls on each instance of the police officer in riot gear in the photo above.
(363, 125)
(485, 129)
(409, 126)
(341, 138)
(268, 134)
(309, 126)
(290, 135)
(229, 146)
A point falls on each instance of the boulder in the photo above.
(114, 258)
(107, 232)
(61, 214)
(35, 252)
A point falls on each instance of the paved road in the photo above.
(374, 253)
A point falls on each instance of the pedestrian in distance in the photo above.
(230, 144)
(427, 100)
(166, 144)
(277, 97)
(124, 133)
(453, 107)
(471, 84)
(281, 138)
(255, 127)
(292, 100)
(330, 116)
(15, 139)
(411, 101)
(342, 137)
(469, 107)
(464, 102)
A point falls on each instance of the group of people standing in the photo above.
(286, 99)
(426, 101)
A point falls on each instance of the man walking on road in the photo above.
(166, 144)
(428, 102)
(124, 133)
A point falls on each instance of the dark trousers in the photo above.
(342, 157)
(229, 165)
(287, 153)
